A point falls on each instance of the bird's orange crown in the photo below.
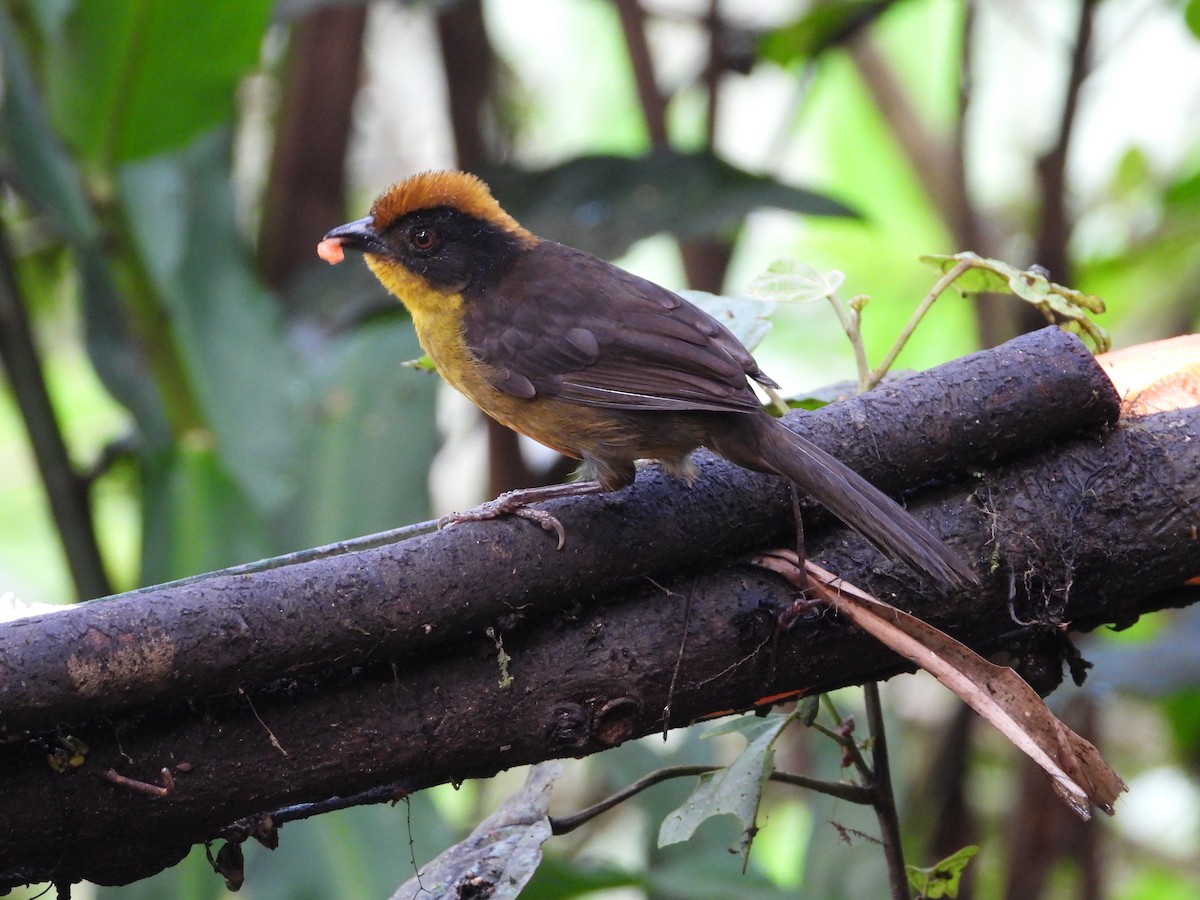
(458, 190)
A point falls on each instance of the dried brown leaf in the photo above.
(1077, 771)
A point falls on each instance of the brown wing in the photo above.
(562, 323)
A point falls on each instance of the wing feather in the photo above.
(561, 323)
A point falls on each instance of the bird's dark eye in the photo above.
(422, 238)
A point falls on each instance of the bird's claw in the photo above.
(508, 506)
(544, 519)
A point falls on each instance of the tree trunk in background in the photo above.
(306, 191)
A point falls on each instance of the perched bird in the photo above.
(594, 362)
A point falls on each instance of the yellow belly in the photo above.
(608, 438)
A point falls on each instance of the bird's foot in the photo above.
(517, 503)
(511, 504)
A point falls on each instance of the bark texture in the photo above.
(375, 672)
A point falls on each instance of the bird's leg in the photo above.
(794, 570)
(516, 503)
(800, 554)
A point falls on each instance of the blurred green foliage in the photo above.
(118, 122)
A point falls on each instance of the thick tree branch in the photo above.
(245, 630)
(599, 671)
(1089, 531)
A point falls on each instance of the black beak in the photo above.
(359, 235)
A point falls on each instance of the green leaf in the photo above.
(227, 327)
(735, 790)
(748, 318)
(941, 879)
(750, 727)
(368, 437)
(995, 276)
(604, 204)
(42, 168)
(48, 178)
(197, 518)
(1191, 15)
(833, 392)
(421, 363)
(1185, 192)
(132, 78)
(1132, 174)
(560, 879)
(48, 16)
(708, 876)
(791, 281)
(807, 710)
(824, 25)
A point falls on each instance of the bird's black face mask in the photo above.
(454, 252)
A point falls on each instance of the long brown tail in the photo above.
(760, 442)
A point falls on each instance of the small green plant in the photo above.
(791, 281)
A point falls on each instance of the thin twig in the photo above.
(1055, 225)
(66, 489)
(840, 790)
(650, 99)
(141, 787)
(687, 619)
(337, 548)
(798, 518)
(851, 793)
(267, 728)
(963, 219)
(844, 738)
(882, 798)
(713, 71)
(915, 319)
(251, 826)
(850, 318)
(567, 824)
